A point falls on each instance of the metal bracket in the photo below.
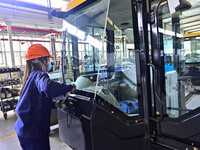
(151, 17)
(139, 50)
(135, 2)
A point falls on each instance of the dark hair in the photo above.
(30, 67)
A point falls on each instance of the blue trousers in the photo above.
(34, 143)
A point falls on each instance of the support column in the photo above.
(85, 52)
(124, 47)
(53, 48)
(20, 52)
(69, 58)
(75, 56)
(110, 52)
(176, 42)
(63, 51)
(177, 64)
(93, 52)
(1, 53)
(10, 43)
(5, 56)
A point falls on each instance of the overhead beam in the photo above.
(167, 15)
(191, 24)
(191, 28)
(10, 43)
(194, 31)
(24, 10)
(30, 29)
(31, 22)
(24, 4)
(188, 17)
(24, 40)
(44, 41)
(194, 20)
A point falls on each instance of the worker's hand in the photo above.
(74, 87)
(59, 104)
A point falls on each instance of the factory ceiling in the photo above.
(29, 15)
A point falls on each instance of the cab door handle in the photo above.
(154, 74)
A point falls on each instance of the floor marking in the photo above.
(7, 137)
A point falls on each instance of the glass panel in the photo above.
(9, 61)
(15, 45)
(85, 38)
(2, 55)
(2, 62)
(7, 46)
(181, 38)
(106, 66)
(118, 78)
(17, 60)
(24, 46)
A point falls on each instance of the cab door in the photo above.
(108, 50)
(176, 74)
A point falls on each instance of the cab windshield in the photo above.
(99, 53)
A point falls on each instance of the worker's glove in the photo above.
(74, 87)
(60, 104)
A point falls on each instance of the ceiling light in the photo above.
(168, 32)
(94, 42)
(116, 28)
(69, 28)
(73, 30)
(112, 24)
(110, 21)
(80, 34)
(54, 3)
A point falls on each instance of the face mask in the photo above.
(48, 67)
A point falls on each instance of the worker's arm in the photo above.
(54, 104)
(51, 88)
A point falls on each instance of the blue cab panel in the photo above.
(103, 75)
(130, 106)
(118, 68)
(169, 67)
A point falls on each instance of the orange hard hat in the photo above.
(37, 51)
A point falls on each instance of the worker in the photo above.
(35, 103)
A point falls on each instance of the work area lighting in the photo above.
(54, 3)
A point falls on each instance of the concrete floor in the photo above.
(12, 143)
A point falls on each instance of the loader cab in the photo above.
(128, 61)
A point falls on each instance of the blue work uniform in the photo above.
(34, 110)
